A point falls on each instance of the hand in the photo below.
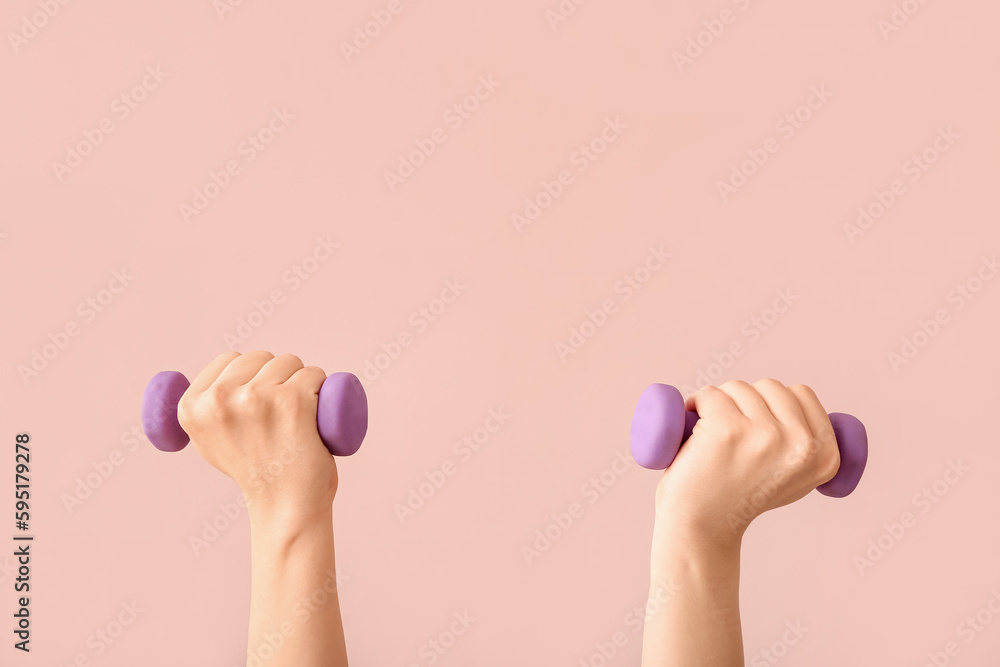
(253, 416)
(753, 449)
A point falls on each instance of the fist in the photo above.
(253, 416)
(754, 448)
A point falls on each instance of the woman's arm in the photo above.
(693, 609)
(753, 449)
(294, 606)
(253, 416)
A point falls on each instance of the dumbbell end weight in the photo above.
(852, 440)
(159, 411)
(343, 413)
(657, 433)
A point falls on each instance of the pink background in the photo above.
(656, 184)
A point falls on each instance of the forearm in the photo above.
(294, 601)
(698, 624)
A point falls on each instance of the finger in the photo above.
(782, 403)
(748, 400)
(310, 377)
(278, 369)
(815, 414)
(242, 370)
(211, 372)
(711, 402)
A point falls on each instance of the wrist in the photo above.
(701, 569)
(679, 545)
(282, 524)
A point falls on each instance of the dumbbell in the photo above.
(341, 415)
(661, 425)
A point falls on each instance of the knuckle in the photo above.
(808, 441)
(804, 448)
(767, 383)
(318, 375)
(287, 356)
(289, 399)
(730, 384)
(803, 388)
(184, 416)
(247, 398)
(826, 436)
(729, 430)
(230, 405)
(213, 402)
(307, 377)
(193, 412)
(828, 455)
(706, 390)
(831, 464)
(769, 432)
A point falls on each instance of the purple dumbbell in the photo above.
(660, 426)
(341, 415)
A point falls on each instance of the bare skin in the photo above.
(253, 417)
(755, 448)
